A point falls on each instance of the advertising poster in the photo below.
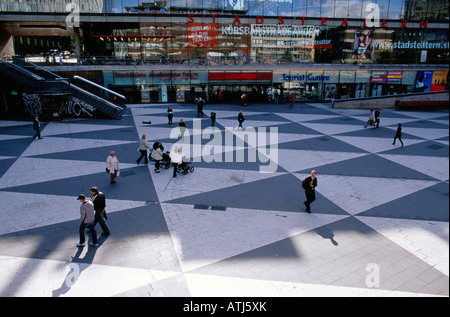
(439, 80)
(362, 44)
(202, 34)
(423, 81)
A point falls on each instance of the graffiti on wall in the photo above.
(78, 107)
(32, 104)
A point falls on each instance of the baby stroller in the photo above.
(185, 167)
(165, 162)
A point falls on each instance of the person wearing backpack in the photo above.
(309, 184)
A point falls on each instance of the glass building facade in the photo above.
(388, 9)
(168, 39)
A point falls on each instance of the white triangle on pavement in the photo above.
(331, 129)
(427, 240)
(298, 160)
(58, 128)
(203, 237)
(371, 144)
(356, 194)
(203, 180)
(437, 167)
(56, 145)
(38, 210)
(27, 170)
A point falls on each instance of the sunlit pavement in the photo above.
(379, 225)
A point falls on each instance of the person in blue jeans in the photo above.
(87, 217)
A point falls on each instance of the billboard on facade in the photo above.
(423, 81)
(202, 35)
(439, 80)
(362, 44)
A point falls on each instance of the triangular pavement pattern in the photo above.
(428, 204)
(56, 145)
(331, 129)
(266, 194)
(417, 237)
(38, 210)
(232, 232)
(436, 167)
(371, 165)
(372, 144)
(294, 117)
(21, 174)
(356, 194)
(169, 188)
(298, 160)
(58, 128)
(346, 265)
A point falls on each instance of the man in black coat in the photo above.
(37, 128)
(200, 105)
(241, 120)
(309, 184)
(99, 201)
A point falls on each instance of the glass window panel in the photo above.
(299, 8)
(313, 8)
(384, 8)
(328, 8)
(355, 9)
(255, 8)
(396, 9)
(341, 9)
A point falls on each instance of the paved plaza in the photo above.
(379, 225)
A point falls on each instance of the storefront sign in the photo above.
(291, 31)
(246, 76)
(387, 77)
(379, 77)
(202, 34)
(394, 77)
(142, 78)
(310, 77)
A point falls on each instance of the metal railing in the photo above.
(46, 82)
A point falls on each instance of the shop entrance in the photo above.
(231, 93)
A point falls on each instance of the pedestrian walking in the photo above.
(241, 120)
(112, 166)
(170, 116)
(292, 101)
(182, 127)
(371, 120)
(398, 134)
(99, 201)
(213, 118)
(200, 105)
(244, 100)
(157, 155)
(176, 158)
(87, 217)
(377, 117)
(143, 147)
(37, 128)
(309, 184)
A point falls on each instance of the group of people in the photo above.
(374, 120)
(92, 212)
